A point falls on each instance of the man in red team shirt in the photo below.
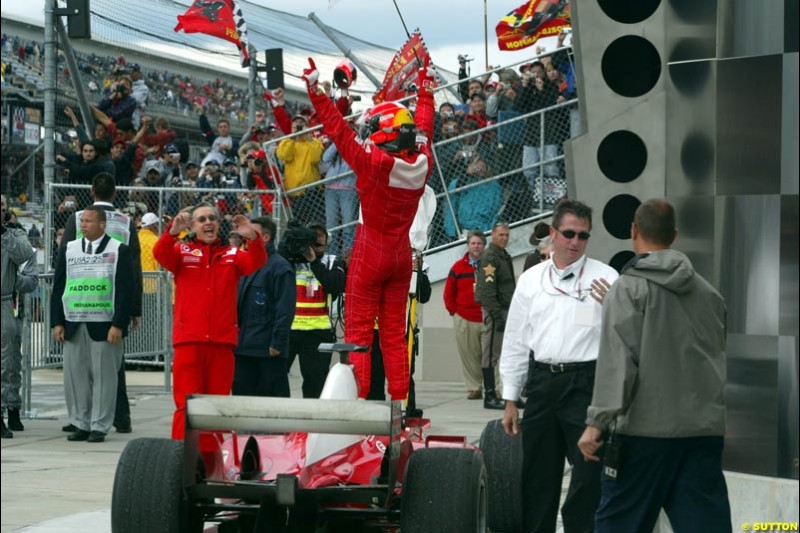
(205, 329)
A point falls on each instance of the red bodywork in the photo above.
(358, 464)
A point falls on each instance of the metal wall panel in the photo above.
(788, 415)
(594, 31)
(729, 165)
(691, 128)
(790, 115)
(747, 28)
(589, 184)
(751, 400)
(747, 240)
(749, 125)
(789, 267)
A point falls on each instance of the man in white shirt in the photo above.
(552, 337)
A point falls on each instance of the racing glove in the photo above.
(311, 77)
(426, 77)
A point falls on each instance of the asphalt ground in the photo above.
(52, 485)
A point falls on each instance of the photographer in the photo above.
(262, 176)
(319, 279)
(119, 103)
(301, 155)
(16, 250)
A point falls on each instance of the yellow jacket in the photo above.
(300, 156)
(147, 240)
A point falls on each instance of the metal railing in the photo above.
(150, 345)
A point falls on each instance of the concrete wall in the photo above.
(439, 359)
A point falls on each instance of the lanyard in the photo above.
(580, 297)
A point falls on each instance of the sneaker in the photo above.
(78, 435)
(474, 395)
(96, 436)
(69, 428)
(491, 402)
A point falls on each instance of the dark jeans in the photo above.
(683, 476)
(261, 376)
(552, 423)
(314, 365)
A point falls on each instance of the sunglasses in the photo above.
(570, 234)
(320, 245)
(203, 218)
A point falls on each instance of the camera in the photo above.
(464, 58)
(296, 241)
(356, 98)
(258, 161)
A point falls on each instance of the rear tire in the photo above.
(445, 491)
(502, 455)
(148, 490)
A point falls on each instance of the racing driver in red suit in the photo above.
(391, 166)
(205, 330)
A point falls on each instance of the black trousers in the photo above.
(377, 376)
(122, 411)
(314, 365)
(682, 475)
(261, 376)
(552, 423)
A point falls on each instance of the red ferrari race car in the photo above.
(335, 465)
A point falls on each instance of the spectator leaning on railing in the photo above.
(301, 155)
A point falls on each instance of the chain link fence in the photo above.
(511, 170)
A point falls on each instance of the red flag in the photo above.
(531, 21)
(402, 71)
(218, 18)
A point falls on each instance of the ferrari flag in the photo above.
(402, 71)
(531, 21)
(218, 18)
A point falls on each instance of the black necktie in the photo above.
(89, 249)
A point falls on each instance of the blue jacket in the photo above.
(265, 308)
(337, 167)
(475, 208)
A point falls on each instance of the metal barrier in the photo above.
(512, 171)
(150, 345)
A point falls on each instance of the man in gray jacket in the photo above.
(658, 406)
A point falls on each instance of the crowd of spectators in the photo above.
(498, 131)
(220, 97)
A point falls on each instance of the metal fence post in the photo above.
(541, 163)
(25, 336)
(166, 320)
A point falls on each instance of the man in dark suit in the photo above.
(266, 308)
(122, 228)
(90, 310)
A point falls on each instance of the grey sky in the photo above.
(449, 27)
